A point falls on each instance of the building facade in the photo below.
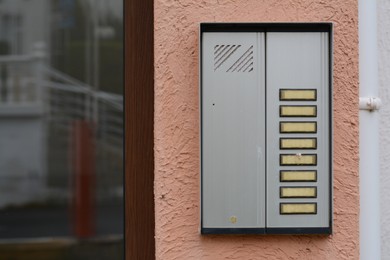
(176, 131)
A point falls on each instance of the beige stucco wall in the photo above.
(177, 130)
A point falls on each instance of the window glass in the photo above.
(61, 126)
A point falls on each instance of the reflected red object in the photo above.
(83, 163)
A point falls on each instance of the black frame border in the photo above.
(273, 27)
(266, 27)
(267, 231)
(233, 231)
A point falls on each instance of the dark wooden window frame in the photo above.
(139, 117)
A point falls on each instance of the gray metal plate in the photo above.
(298, 61)
(233, 130)
(240, 127)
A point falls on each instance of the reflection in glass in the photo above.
(61, 122)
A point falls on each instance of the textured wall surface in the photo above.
(383, 9)
(177, 130)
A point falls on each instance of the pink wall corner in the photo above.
(177, 130)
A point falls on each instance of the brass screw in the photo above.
(233, 219)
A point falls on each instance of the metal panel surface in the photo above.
(233, 130)
(298, 61)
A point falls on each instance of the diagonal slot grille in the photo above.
(223, 59)
(244, 63)
(222, 53)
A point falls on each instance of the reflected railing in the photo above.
(70, 100)
(55, 104)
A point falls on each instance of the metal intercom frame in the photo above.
(269, 27)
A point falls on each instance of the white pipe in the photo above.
(370, 103)
(369, 134)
